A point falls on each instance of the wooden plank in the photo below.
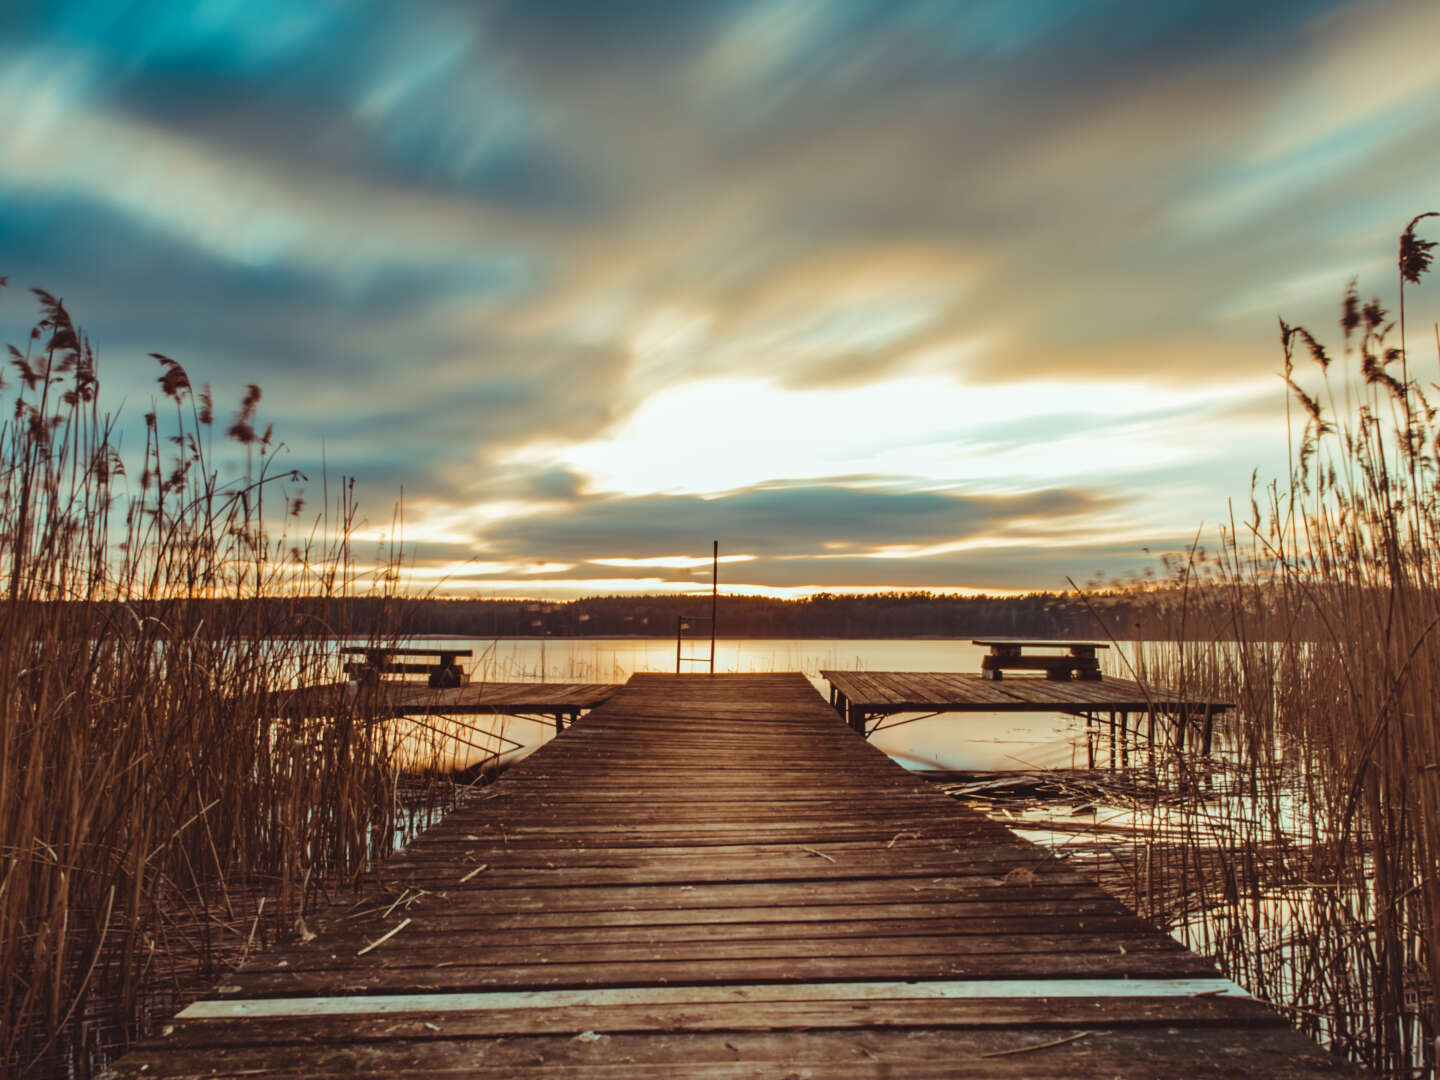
(464, 934)
(724, 920)
(388, 650)
(422, 951)
(987, 991)
(1040, 643)
(411, 1021)
(1080, 1050)
(640, 971)
(845, 681)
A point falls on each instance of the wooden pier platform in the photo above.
(395, 697)
(710, 876)
(865, 696)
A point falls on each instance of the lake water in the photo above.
(956, 741)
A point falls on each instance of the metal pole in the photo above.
(714, 595)
(679, 625)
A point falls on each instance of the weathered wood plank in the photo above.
(1017, 1014)
(1202, 1051)
(435, 951)
(465, 933)
(640, 971)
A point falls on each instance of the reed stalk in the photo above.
(1308, 849)
(162, 810)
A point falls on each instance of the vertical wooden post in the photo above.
(856, 716)
(714, 597)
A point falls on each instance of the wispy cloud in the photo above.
(597, 282)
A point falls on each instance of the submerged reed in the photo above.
(161, 812)
(1305, 857)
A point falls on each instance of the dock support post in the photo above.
(714, 600)
(855, 717)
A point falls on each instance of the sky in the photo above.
(976, 295)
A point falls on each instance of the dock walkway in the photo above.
(711, 876)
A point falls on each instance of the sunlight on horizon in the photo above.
(924, 430)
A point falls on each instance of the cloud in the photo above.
(777, 522)
(512, 255)
(724, 434)
(248, 207)
(1041, 567)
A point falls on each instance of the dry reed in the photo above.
(1305, 855)
(160, 814)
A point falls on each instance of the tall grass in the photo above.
(159, 812)
(1309, 857)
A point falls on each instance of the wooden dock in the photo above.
(710, 876)
(562, 702)
(865, 696)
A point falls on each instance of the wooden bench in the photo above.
(1008, 654)
(443, 671)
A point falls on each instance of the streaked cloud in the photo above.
(779, 521)
(905, 293)
(725, 434)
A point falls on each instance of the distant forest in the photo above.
(886, 615)
(1154, 613)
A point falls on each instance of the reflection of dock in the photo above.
(710, 876)
(865, 696)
